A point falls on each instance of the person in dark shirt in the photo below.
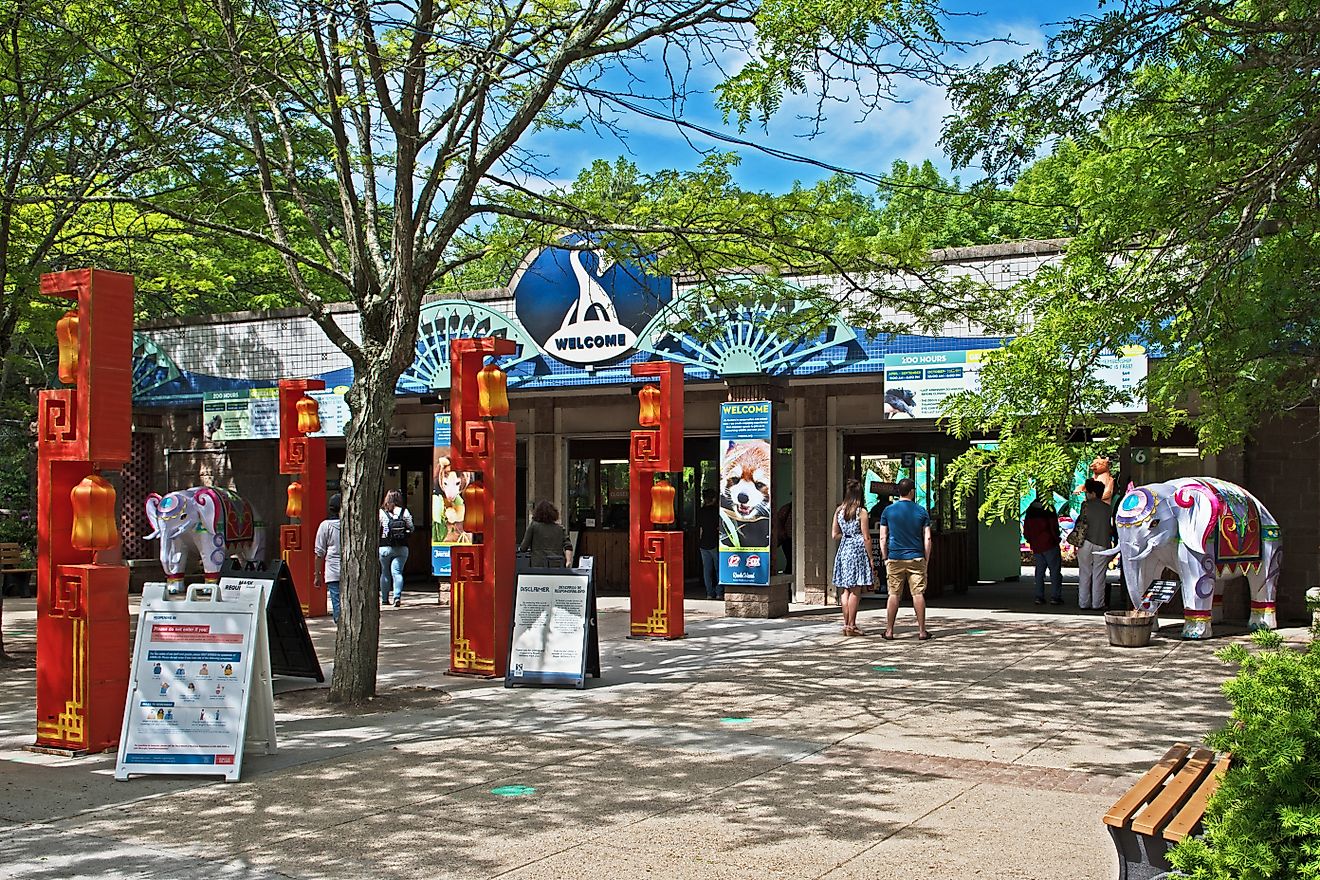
(708, 542)
(546, 539)
(1040, 526)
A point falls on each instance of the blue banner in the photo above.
(447, 487)
(746, 501)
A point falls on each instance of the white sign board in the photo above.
(548, 644)
(332, 409)
(201, 682)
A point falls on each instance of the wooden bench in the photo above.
(1164, 806)
(15, 575)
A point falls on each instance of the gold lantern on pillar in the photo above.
(474, 509)
(309, 415)
(293, 509)
(95, 525)
(492, 392)
(649, 399)
(662, 502)
(66, 331)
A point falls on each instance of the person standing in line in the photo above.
(708, 542)
(546, 539)
(1040, 526)
(905, 549)
(852, 560)
(327, 549)
(784, 534)
(396, 527)
(1096, 535)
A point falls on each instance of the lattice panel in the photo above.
(135, 481)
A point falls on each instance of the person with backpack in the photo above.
(396, 527)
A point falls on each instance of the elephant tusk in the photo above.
(155, 534)
(1143, 554)
(179, 532)
(1112, 551)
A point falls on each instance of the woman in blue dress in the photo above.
(852, 561)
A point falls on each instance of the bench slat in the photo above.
(1190, 815)
(1158, 812)
(1136, 798)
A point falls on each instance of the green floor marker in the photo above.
(735, 721)
(884, 669)
(977, 632)
(513, 790)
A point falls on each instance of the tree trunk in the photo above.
(371, 400)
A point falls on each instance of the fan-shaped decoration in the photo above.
(741, 341)
(459, 319)
(152, 367)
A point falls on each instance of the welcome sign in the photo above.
(745, 493)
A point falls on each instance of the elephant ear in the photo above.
(1199, 510)
(208, 507)
(153, 515)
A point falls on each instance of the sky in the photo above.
(908, 130)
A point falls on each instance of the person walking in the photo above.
(708, 542)
(396, 527)
(784, 534)
(327, 549)
(1096, 534)
(1040, 526)
(905, 549)
(546, 539)
(852, 560)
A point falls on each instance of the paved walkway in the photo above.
(757, 749)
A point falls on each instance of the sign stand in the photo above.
(291, 649)
(200, 688)
(554, 634)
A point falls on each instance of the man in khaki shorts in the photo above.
(905, 548)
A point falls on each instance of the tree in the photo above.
(386, 146)
(1192, 169)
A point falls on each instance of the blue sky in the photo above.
(908, 130)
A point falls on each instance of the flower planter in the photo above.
(1129, 629)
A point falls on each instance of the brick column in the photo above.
(814, 504)
(1282, 469)
(541, 454)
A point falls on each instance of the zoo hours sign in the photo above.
(917, 383)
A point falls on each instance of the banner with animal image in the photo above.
(745, 496)
(447, 487)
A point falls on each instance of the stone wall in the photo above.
(1282, 468)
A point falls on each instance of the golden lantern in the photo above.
(649, 397)
(492, 392)
(474, 508)
(293, 508)
(66, 331)
(309, 415)
(95, 525)
(662, 503)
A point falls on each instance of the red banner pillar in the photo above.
(655, 584)
(482, 572)
(304, 458)
(82, 604)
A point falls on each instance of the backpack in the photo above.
(396, 531)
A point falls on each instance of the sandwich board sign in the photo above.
(201, 682)
(291, 649)
(554, 638)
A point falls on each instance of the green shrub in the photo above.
(17, 478)
(1264, 821)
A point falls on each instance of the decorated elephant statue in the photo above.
(214, 523)
(1208, 531)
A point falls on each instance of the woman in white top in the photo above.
(396, 526)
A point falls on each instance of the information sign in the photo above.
(332, 409)
(917, 383)
(745, 493)
(201, 682)
(554, 638)
(250, 414)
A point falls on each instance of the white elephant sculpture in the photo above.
(1208, 531)
(215, 523)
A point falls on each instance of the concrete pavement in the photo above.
(762, 749)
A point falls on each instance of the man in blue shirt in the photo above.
(905, 548)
